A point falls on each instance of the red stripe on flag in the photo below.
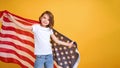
(6, 19)
(24, 22)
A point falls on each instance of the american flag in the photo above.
(17, 46)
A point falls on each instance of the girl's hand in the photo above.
(5, 15)
(71, 44)
(11, 17)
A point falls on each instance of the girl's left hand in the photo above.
(71, 44)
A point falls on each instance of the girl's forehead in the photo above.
(46, 15)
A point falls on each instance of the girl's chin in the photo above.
(44, 25)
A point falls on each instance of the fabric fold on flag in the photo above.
(17, 44)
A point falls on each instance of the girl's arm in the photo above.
(54, 38)
(19, 24)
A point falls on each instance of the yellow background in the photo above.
(93, 24)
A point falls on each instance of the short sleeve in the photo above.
(34, 27)
(51, 31)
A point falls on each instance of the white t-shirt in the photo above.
(42, 40)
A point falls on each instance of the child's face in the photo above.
(45, 20)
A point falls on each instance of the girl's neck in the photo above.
(43, 26)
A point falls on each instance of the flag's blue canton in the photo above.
(64, 56)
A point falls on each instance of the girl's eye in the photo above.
(44, 17)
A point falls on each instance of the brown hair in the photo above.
(51, 18)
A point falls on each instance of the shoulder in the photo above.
(51, 31)
(35, 25)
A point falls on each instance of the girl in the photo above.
(42, 34)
